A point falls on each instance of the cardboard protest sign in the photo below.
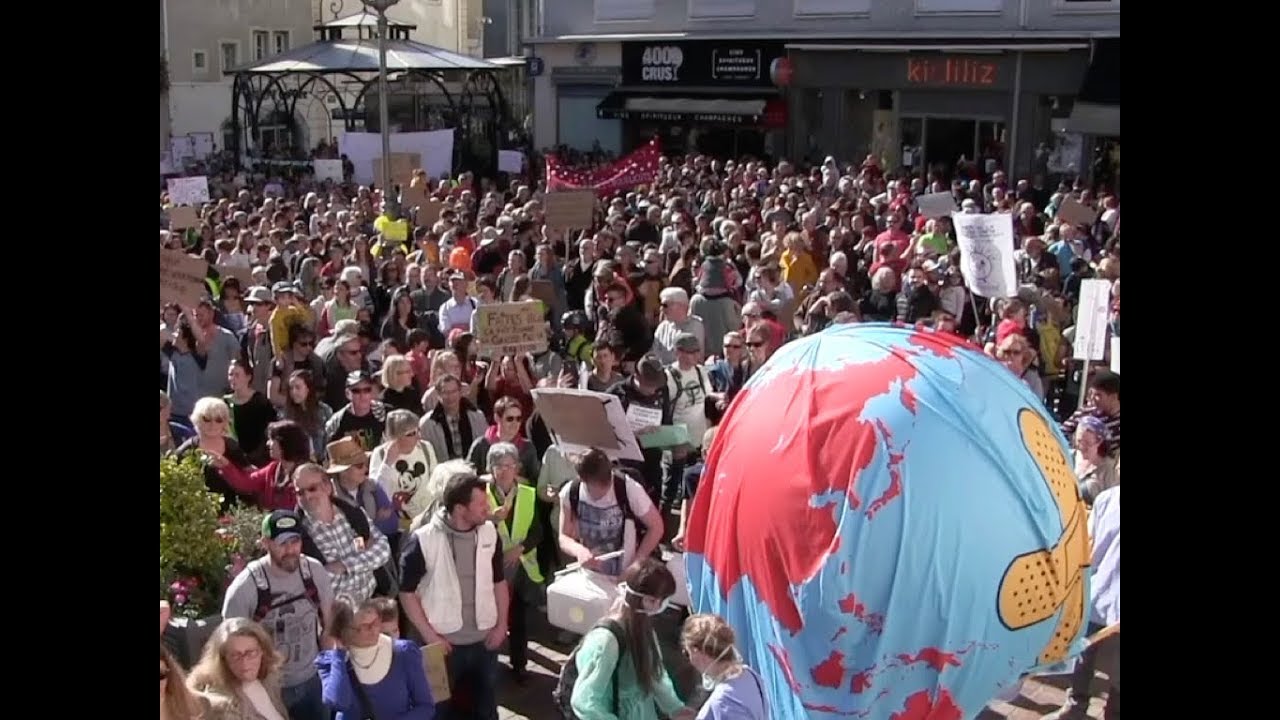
(183, 217)
(580, 420)
(569, 208)
(936, 205)
(511, 327)
(986, 253)
(1075, 213)
(244, 275)
(437, 668)
(543, 290)
(412, 197)
(182, 278)
(189, 190)
(402, 167)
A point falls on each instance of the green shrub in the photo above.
(192, 556)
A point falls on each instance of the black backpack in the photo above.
(264, 605)
(563, 694)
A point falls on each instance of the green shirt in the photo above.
(593, 692)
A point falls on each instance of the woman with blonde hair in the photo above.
(399, 390)
(176, 701)
(225, 465)
(1015, 353)
(737, 693)
(239, 673)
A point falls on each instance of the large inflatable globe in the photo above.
(889, 521)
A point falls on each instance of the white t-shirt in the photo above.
(690, 409)
(601, 527)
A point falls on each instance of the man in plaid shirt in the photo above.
(339, 535)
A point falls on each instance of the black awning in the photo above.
(1097, 106)
(672, 108)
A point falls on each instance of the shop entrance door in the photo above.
(943, 141)
(946, 140)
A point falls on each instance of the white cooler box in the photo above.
(579, 598)
(675, 563)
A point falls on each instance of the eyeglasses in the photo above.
(755, 344)
(250, 654)
(409, 433)
(513, 418)
(210, 419)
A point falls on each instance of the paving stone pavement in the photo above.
(533, 700)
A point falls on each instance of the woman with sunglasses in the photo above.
(369, 674)
(239, 673)
(643, 687)
(508, 426)
(176, 701)
(226, 466)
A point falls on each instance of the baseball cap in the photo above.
(281, 525)
(359, 376)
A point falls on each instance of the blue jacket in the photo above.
(403, 694)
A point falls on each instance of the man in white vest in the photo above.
(452, 586)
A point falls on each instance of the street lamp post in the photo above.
(380, 7)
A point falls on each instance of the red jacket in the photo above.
(261, 486)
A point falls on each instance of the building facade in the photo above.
(202, 39)
(919, 83)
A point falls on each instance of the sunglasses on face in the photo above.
(513, 418)
(755, 344)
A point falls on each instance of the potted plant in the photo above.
(193, 557)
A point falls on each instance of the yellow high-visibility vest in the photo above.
(525, 503)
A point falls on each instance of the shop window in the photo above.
(579, 128)
(948, 7)
(622, 10)
(828, 8)
(709, 9)
(1087, 6)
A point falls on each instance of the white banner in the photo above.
(329, 170)
(1091, 320)
(986, 253)
(936, 205)
(434, 146)
(510, 161)
(189, 190)
(201, 144)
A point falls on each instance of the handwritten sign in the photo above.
(1074, 212)
(986, 253)
(514, 327)
(936, 205)
(437, 668)
(580, 420)
(1091, 320)
(183, 217)
(192, 190)
(182, 278)
(570, 209)
(327, 169)
(402, 167)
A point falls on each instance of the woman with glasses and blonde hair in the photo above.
(369, 674)
(239, 674)
(1015, 353)
(737, 692)
(176, 701)
(399, 389)
(226, 466)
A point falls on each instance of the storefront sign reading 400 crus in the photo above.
(661, 63)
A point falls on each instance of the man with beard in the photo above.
(917, 300)
(288, 594)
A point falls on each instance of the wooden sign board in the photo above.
(182, 278)
(244, 275)
(570, 209)
(545, 291)
(511, 328)
(402, 167)
(437, 669)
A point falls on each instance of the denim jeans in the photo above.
(305, 701)
(473, 678)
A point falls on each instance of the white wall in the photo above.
(199, 107)
(545, 103)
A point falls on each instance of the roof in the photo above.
(364, 18)
(361, 55)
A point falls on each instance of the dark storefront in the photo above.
(959, 110)
(714, 97)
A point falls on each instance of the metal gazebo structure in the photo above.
(462, 92)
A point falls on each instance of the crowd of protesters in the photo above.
(344, 391)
